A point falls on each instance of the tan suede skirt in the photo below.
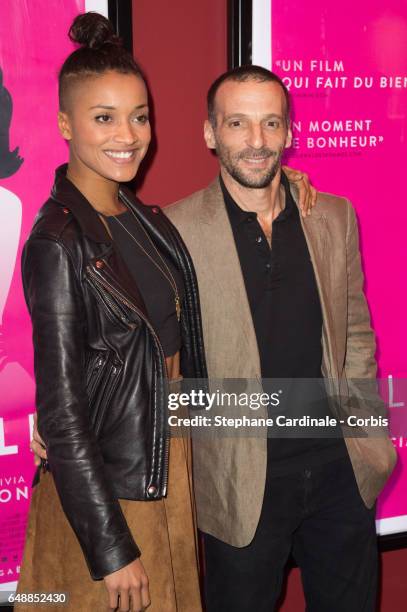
(164, 530)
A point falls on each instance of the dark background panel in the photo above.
(120, 14)
(239, 32)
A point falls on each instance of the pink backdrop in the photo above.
(33, 44)
(370, 44)
(346, 62)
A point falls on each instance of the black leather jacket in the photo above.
(100, 368)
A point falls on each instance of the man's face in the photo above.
(251, 133)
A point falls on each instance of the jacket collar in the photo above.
(214, 202)
(65, 193)
(238, 216)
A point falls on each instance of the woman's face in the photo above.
(107, 126)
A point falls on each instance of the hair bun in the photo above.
(92, 30)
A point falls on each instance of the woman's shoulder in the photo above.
(152, 214)
(56, 223)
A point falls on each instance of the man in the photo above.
(281, 297)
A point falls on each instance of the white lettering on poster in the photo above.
(13, 488)
(321, 77)
(335, 133)
(6, 450)
(392, 403)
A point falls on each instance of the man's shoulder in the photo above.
(188, 207)
(185, 205)
(330, 205)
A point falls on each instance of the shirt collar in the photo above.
(237, 215)
(290, 205)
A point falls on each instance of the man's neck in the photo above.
(267, 202)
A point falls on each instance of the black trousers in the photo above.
(319, 516)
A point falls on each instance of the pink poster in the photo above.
(345, 65)
(33, 44)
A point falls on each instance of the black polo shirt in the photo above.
(287, 318)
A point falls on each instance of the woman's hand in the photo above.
(37, 444)
(130, 583)
(306, 192)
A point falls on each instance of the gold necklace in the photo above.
(168, 277)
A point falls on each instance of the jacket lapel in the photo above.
(107, 264)
(226, 283)
(315, 228)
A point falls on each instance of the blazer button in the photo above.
(66, 211)
(152, 491)
(100, 264)
(155, 210)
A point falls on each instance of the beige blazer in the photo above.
(229, 472)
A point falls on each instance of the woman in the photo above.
(113, 300)
(95, 263)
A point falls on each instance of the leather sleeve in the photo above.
(54, 298)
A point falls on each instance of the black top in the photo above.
(156, 290)
(287, 318)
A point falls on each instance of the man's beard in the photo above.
(264, 178)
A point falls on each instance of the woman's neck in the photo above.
(101, 193)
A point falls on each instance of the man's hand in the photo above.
(130, 583)
(307, 193)
(37, 445)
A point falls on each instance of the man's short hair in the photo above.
(242, 74)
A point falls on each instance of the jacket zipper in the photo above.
(95, 375)
(113, 306)
(108, 391)
(108, 287)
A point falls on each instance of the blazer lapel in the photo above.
(226, 281)
(315, 228)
